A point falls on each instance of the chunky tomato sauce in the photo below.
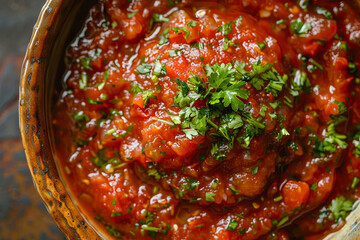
(213, 120)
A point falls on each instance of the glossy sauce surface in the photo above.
(213, 120)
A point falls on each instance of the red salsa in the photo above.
(232, 119)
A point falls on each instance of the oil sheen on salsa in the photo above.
(231, 119)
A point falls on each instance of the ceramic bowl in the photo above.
(42, 66)
(58, 23)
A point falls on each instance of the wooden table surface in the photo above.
(22, 213)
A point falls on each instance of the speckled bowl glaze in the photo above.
(43, 65)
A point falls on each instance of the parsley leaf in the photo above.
(159, 69)
(85, 62)
(355, 182)
(164, 38)
(83, 81)
(340, 207)
(131, 14)
(226, 29)
(300, 28)
(224, 111)
(147, 95)
(209, 197)
(157, 18)
(135, 90)
(323, 11)
(144, 68)
(262, 45)
(300, 83)
(232, 225)
(191, 24)
(174, 53)
(333, 140)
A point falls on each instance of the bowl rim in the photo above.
(35, 136)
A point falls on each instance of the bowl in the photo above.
(58, 23)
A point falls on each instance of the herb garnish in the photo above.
(224, 96)
(300, 28)
(340, 207)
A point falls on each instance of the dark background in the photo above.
(22, 213)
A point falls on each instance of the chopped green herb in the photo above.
(114, 24)
(174, 53)
(94, 102)
(83, 81)
(181, 31)
(103, 96)
(340, 207)
(234, 191)
(223, 93)
(356, 142)
(215, 183)
(135, 90)
(242, 231)
(144, 68)
(155, 173)
(199, 226)
(315, 66)
(263, 110)
(157, 18)
(100, 86)
(324, 12)
(300, 28)
(333, 140)
(129, 129)
(278, 22)
(131, 14)
(282, 132)
(209, 197)
(164, 38)
(278, 199)
(192, 24)
(156, 189)
(116, 214)
(192, 183)
(85, 62)
(313, 186)
(355, 182)
(113, 232)
(226, 29)
(198, 45)
(81, 116)
(147, 95)
(159, 69)
(283, 221)
(232, 225)
(304, 4)
(151, 229)
(300, 83)
(262, 45)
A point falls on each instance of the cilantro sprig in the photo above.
(220, 104)
(333, 140)
(300, 28)
(340, 206)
